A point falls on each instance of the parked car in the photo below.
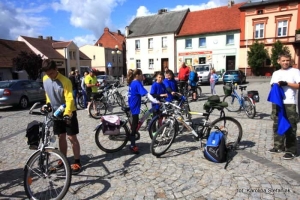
(21, 92)
(148, 79)
(237, 76)
(203, 72)
(106, 79)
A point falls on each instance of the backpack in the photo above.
(196, 78)
(215, 149)
(33, 134)
(110, 125)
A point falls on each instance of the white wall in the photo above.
(215, 47)
(144, 54)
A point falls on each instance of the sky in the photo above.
(83, 21)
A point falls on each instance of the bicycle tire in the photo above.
(124, 94)
(118, 98)
(233, 103)
(35, 175)
(146, 122)
(249, 108)
(232, 129)
(166, 133)
(80, 101)
(95, 109)
(112, 143)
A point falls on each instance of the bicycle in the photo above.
(238, 102)
(42, 178)
(114, 143)
(187, 90)
(165, 135)
(112, 95)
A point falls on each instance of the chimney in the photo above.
(161, 11)
(119, 32)
(40, 37)
(106, 29)
(230, 3)
(49, 38)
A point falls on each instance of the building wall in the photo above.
(215, 51)
(271, 15)
(144, 54)
(96, 53)
(5, 74)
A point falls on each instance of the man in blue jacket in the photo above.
(288, 79)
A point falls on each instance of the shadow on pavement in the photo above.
(262, 115)
(245, 144)
(12, 178)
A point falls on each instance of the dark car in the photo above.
(237, 76)
(106, 79)
(21, 92)
(148, 79)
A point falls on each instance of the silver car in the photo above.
(21, 92)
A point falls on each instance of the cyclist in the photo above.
(158, 90)
(58, 90)
(171, 85)
(183, 76)
(135, 93)
(91, 86)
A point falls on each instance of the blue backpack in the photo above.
(215, 149)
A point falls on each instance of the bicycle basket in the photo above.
(33, 134)
(110, 125)
(254, 95)
(227, 90)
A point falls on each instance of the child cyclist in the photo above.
(135, 93)
(171, 85)
(158, 90)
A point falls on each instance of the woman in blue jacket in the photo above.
(213, 80)
(135, 93)
(193, 78)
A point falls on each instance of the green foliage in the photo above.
(257, 56)
(298, 31)
(277, 49)
(30, 62)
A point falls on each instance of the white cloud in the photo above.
(83, 40)
(16, 21)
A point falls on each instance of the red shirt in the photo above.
(183, 74)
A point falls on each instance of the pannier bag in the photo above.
(110, 124)
(254, 95)
(215, 149)
(33, 134)
(227, 90)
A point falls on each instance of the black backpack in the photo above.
(215, 149)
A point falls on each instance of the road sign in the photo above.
(109, 64)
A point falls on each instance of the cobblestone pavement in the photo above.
(182, 173)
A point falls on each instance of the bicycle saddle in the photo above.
(242, 87)
(125, 109)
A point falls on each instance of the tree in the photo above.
(277, 49)
(257, 56)
(30, 62)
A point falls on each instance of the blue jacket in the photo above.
(276, 96)
(193, 78)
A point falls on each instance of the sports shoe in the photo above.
(288, 156)
(76, 168)
(134, 149)
(59, 164)
(274, 150)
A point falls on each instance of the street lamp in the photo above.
(116, 51)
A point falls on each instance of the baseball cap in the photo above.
(90, 70)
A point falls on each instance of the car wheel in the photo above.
(23, 102)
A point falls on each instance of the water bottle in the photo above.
(59, 110)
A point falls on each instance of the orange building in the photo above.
(267, 22)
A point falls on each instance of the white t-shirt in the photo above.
(290, 75)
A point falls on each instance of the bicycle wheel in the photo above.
(97, 109)
(233, 103)
(118, 98)
(112, 143)
(154, 125)
(80, 101)
(249, 108)
(232, 130)
(43, 179)
(124, 94)
(163, 138)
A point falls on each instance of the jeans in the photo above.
(75, 97)
(212, 88)
(84, 98)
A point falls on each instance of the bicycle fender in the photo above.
(253, 102)
(151, 122)
(34, 154)
(98, 126)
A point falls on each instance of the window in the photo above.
(188, 43)
(202, 42)
(137, 44)
(150, 43)
(138, 64)
(94, 57)
(74, 55)
(164, 42)
(151, 63)
(259, 31)
(229, 39)
(282, 28)
(70, 55)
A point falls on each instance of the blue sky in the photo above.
(82, 21)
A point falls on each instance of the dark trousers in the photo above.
(134, 125)
(287, 142)
(182, 85)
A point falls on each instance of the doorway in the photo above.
(164, 63)
(230, 63)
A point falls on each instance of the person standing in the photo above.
(171, 85)
(91, 86)
(288, 79)
(183, 77)
(193, 79)
(83, 89)
(135, 92)
(213, 80)
(158, 90)
(74, 86)
(58, 90)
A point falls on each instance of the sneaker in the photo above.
(59, 164)
(274, 150)
(288, 156)
(134, 149)
(76, 168)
